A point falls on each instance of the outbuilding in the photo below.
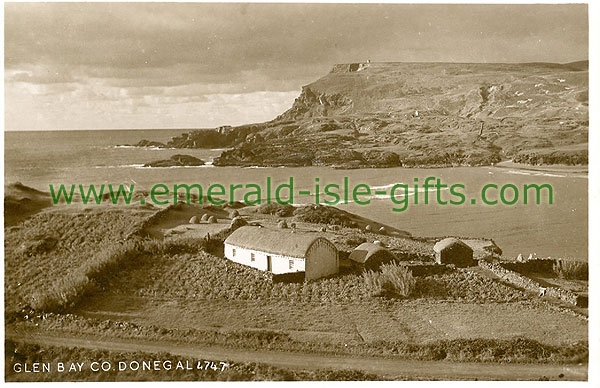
(453, 251)
(370, 256)
(281, 251)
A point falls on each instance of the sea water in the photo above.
(40, 158)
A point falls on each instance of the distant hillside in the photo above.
(422, 114)
(21, 201)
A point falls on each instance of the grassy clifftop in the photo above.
(421, 114)
(478, 91)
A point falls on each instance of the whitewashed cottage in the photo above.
(281, 251)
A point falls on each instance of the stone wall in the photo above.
(426, 269)
(520, 280)
(531, 266)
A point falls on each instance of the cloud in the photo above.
(161, 53)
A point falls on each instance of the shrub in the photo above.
(569, 269)
(393, 281)
(355, 240)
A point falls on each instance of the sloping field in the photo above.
(54, 243)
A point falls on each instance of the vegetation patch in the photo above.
(392, 280)
(29, 353)
(513, 350)
(276, 209)
(100, 268)
(52, 244)
(570, 269)
(319, 214)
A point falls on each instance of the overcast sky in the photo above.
(183, 65)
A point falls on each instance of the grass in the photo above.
(509, 350)
(368, 121)
(68, 290)
(51, 245)
(320, 214)
(276, 209)
(89, 254)
(391, 280)
(200, 275)
(29, 353)
(94, 273)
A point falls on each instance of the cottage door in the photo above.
(269, 266)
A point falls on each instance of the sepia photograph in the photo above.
(263, 191)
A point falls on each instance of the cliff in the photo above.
(420, 114)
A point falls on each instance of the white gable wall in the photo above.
(279, 264)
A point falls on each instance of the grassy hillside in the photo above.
(421, 114)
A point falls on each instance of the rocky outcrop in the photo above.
(324, 153)
(537, 158)
(149, 143)
(426, 115)
(311, 104)
(177, 161)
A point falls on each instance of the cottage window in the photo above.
(252, 257)
(291, 264)
(233, 252)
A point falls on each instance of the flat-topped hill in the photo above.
(466, 90)
(420, 114)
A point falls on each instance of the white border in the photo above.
(594, 207)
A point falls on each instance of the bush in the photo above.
(355, 240)
(568, 269)
(393, 281)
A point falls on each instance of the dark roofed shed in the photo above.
(371, 255)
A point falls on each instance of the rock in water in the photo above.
(149, 143)
(177, 161)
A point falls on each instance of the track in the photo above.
(387, 368)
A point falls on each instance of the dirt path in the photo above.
(384, 367)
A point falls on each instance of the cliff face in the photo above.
(421, 114)
(476, 91)
(310, 104)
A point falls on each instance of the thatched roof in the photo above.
(283, 242)
(366, 250)
(448, 243)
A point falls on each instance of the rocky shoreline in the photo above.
(380, 116)
(177, 161)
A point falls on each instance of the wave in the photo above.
(112, 147)
(206, 165)
(142, 166)
(533, 173)
(399, 194)
(122, 166)
(384, 186)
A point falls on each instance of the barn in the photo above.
(370, 256)
(453, 251)
(281, 251)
